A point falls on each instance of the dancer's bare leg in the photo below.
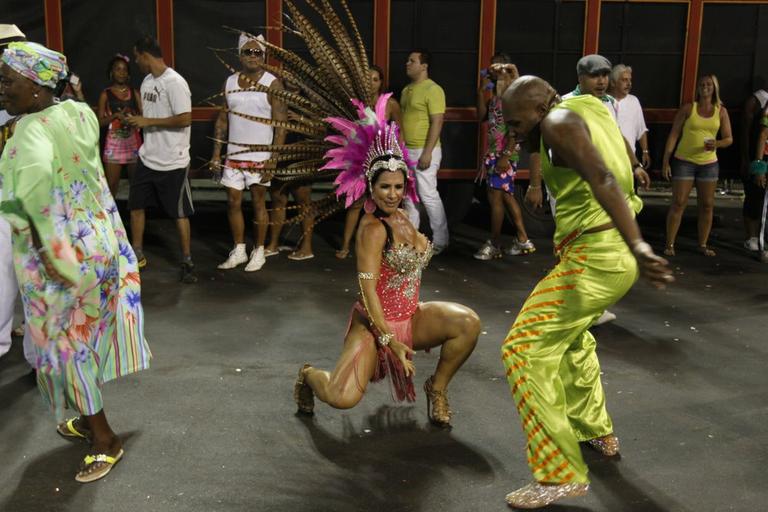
(705, 201)
(260, 215)
(680, 191)
(344, 387)
(235, 215)
(137, 229)
(517, 216)
(303, 196)
(350, 224)
(185, 237)
(279, 201)
(112, 172)
(453, 327)
(496, 203)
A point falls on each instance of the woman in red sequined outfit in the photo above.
(388, 323)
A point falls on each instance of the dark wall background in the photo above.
(734, 46)
(28, 15)
(95, 31)
(198, 26)
(449, 30)
(544, 37)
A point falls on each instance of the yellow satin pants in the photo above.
(550, 358)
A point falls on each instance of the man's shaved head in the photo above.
(525, 103)
(526, 92)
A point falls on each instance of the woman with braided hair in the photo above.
(387, 323)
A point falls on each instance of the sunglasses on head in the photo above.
(252, 52)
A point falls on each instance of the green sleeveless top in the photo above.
(576, 208)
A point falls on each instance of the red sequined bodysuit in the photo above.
(400, 280)
(398, 293)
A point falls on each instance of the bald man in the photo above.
(549, 353)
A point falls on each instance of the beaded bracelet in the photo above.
(385, 339)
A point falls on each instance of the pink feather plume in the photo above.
(352, 149)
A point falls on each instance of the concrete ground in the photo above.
(211, 426)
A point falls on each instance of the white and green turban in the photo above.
(36, 62)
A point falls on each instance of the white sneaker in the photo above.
(517, 248)
(237, 256)
(257, 260)
(488, 251)
(750, 244)
(437, 249)
(606, 317)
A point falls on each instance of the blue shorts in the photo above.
(504, 181)
(684, 170)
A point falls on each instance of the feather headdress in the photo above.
(365, 146)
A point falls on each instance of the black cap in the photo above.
(593, 65)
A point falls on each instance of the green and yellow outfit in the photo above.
(549, 354)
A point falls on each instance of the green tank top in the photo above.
(576, 209)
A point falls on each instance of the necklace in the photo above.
(251, 81)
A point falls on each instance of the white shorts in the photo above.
(241, 174)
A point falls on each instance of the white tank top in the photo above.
(243, 130)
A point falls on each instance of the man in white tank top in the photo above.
(243, 168)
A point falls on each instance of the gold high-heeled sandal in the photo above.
(438, 410)
(302, 393)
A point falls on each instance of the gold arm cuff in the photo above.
(369, 276)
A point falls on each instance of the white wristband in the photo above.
(642, 247)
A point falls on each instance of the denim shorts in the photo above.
(683, 170)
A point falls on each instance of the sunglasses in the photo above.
(252, 52)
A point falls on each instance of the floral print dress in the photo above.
(496, 142)
(90, 330)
